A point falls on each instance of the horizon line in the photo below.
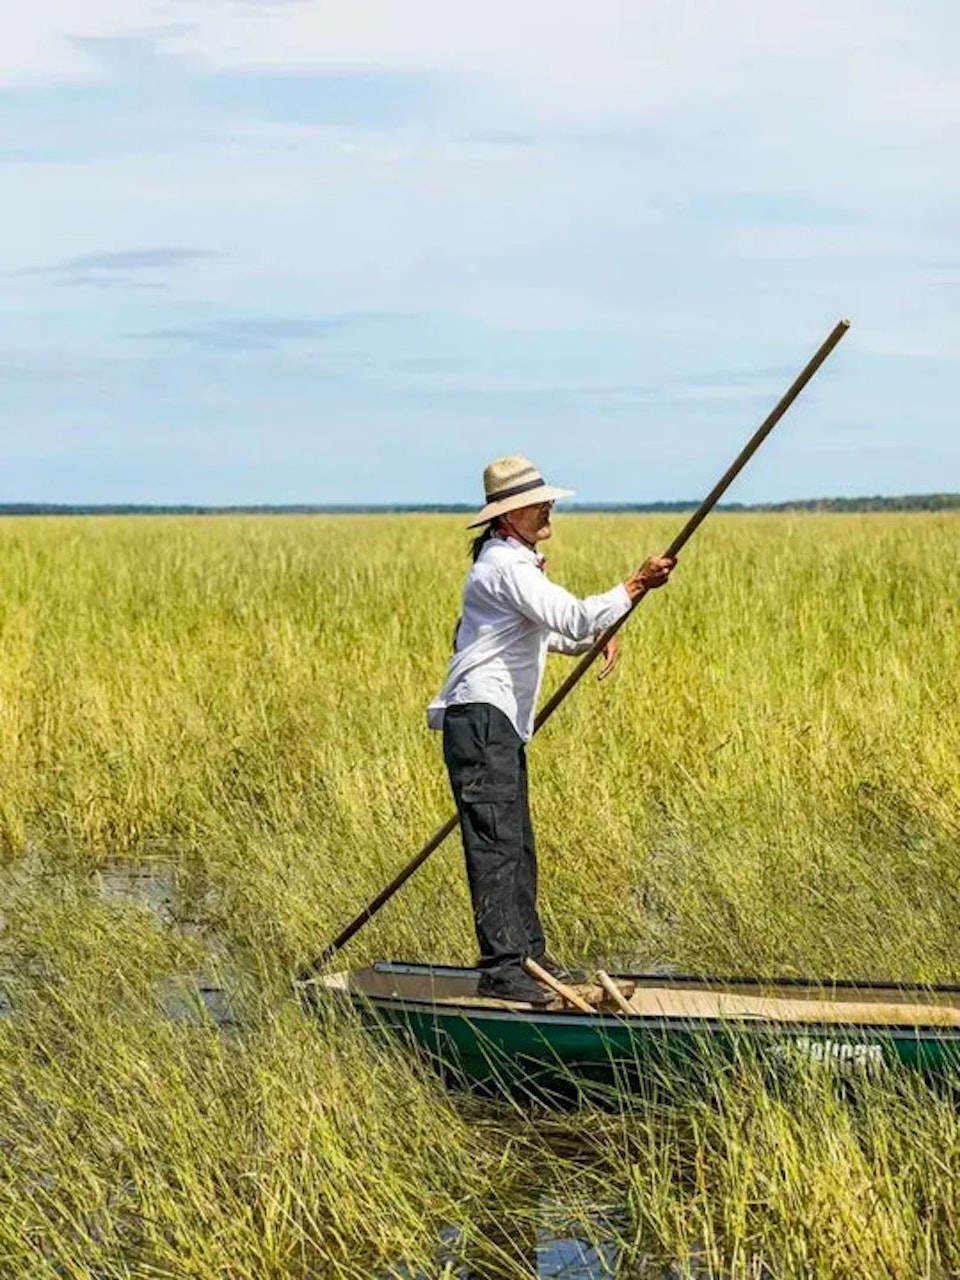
(924, 501)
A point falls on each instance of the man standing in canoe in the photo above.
(512, 616)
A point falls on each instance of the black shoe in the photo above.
(513, 984)
(560, 971)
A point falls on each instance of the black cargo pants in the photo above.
(487, 763)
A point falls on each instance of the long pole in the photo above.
(548, 708)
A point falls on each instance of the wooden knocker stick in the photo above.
(614, 992)
(560, 988)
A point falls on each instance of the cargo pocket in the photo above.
(482, 751)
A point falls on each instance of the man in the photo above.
(512, 615)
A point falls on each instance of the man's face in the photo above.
(532, 523)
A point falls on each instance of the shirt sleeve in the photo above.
(560, 644)
(568, 618)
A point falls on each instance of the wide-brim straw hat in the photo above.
(511, 483)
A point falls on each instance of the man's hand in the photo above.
(611, 655)
(653, 573)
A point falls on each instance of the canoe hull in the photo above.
(558, 1055)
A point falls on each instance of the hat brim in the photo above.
(544, 493)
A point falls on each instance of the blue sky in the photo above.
(298, 251)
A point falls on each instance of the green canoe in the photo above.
(675, 1021)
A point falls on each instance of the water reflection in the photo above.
(545, 1244)
(531, 1235)
(538, 1237)
(519, 1248)
(575, 1259)
(550, 1256)
(180, 898)
(172, 889)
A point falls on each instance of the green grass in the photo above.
(769, 783)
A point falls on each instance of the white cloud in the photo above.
(676, 182)
(40, 45)
(616, 61)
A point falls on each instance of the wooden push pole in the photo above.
(614, 992)
(560, 988)
(548, 708)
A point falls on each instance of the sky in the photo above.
(292, 251)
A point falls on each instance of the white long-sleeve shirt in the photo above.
(512, 615)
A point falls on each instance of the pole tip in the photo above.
(845, 323)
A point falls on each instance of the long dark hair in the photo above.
(481, 540)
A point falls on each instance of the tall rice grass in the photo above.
(769, 783)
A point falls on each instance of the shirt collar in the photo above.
(521, 549)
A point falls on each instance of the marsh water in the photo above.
(552, 1242)
(551, 1250)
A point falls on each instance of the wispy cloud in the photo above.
(261, 333)
(147, 97)
(106, 281)
(135, 260)
(723, 380)
(124, 268)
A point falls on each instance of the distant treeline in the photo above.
(907, 502)
(904, 502)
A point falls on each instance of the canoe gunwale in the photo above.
(678, 979)
(602, 1021)
(348, 986)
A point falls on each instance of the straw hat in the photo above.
(510, 483)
